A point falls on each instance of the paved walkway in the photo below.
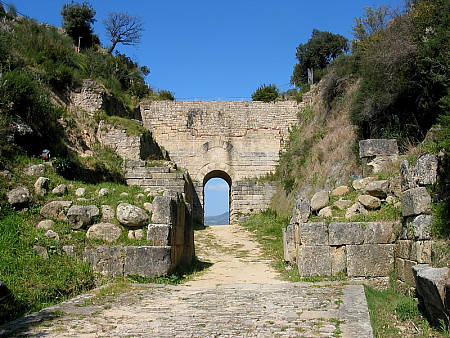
(239, 296)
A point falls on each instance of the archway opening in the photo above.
(216, 198)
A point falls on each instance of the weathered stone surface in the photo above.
(104, 231)
(403, 268)
(160, 234)
(319, 200)
(56, 209)
(416, 201)
(380, 232)
(403, 249)
(325, 212)
(81, 215)
(52, 235)
(139, 234)
(80, 192)
(395, 187)
(289, 245)
(370, 260)
(361, 183)
(41, 251)
(426, 169)
(35, 170)
(164, 210)
(18, 197)
(431, 289)
(147, 261)
(60, 190)
(421, 251)
(6, 174)
(421, 226)
(41, 186)
(131, 215)
(356, 209)
(391, 200)
(313, 233)
(381, 162)
(341, 190)
(314, 261)
(45, 224)
(103, 192)
(106, 260)
(378, 189)
(369, 202)
(338, 260)
(148, 207)
(108, 212)
(406, 178)
(302, 210)
(374, 147)
(342, 204)
(346, 233)
(69, 250)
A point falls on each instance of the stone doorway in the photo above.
(222, 175)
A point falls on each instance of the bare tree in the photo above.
(123, 28)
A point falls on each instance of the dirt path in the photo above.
(235, 255)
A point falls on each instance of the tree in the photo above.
(266, 93)
(317, 53)
(123, 28)
(77, 21)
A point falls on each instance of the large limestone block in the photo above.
(346, 233)
(164, 210)
(416, 201)
(403, 268)
(159, 234)
(374, 147)
(106, 260)
(56, 209)
(302, 210)
(131, 216)
(380, 232)
(403, 249)
(378, 189)
(361, 183)
(107, 232)
(289, 245)
(313, 233)
(407, 180)
(147, 261)
(431, 287)
(79, 216)
(314, 261)
(421, 226)
(341, 190)
(426, 169)
(319, 200)
(370, 260)
(19, 196)
(338, 257)
(421, 251)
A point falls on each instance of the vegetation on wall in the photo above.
(266, 93)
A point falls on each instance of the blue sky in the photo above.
(206, 49)
(216, 197)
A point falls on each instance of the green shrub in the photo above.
(266, 93)
(165, 95)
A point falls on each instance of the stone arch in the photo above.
(218, 174)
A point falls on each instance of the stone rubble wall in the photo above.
(128, 147)
(89, 97)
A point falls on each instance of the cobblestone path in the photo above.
(250, 304)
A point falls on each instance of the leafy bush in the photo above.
(266, 93)
(165, 95)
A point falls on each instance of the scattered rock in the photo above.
(56, 209)
(52, 235)
(104, 231)
(6, 174)
(360, 183)
(342, 204)
(41, 251)
(369, 202)
(325, 212)
(18, 197)
(124, 194)
(356, 209)
(374, 147)
(131, 234)
(421, 226)
(378, 189)
(302, 210)
(395, 187)
(60, 190)
(103, 192)
(416, 201)
(80, 192)
(148, 206)
(426, 169)
(69, 250)
(406, 178)
(391, 200)
(319, 200)
(45, 224)
(381, 162)
(341, 190)
(131, 215)
(81, 215)
(140, 195)
(107, 213)
(139, 234)
(41, 186)
(35, 170)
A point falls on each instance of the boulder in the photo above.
(45, 224)
(406, 178)
(391, 200)
(325, 212)
(374, 147)
(319, 200)
(426, 169)
(6, 174)
(360, 183)
(41, 186)
(378, 189)
(60, 190)
(103, 192)
(164, 210)
(356, 209)
(139, 234)
(56, 210)
(433, 292)
(416, 201)
(159, 234)
(148, 207)
(80, 192)
(381, 162)
(341, 190)
(18, 197)
(81, 215)
(41, 251)
(302, 210)
(35, 170)
(124, 194)
(421, 226)
(131, 215)
(69, 250)
(52, 235)
(395, 186)
(369, 202)
(108, 212)
(342, 204)
(107, 232)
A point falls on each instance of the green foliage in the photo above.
(266, 93)
(316, 54)
(77, 21)
(440, 222)
(165, 95)
(407, 309)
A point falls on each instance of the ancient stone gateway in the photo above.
(237, 141)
